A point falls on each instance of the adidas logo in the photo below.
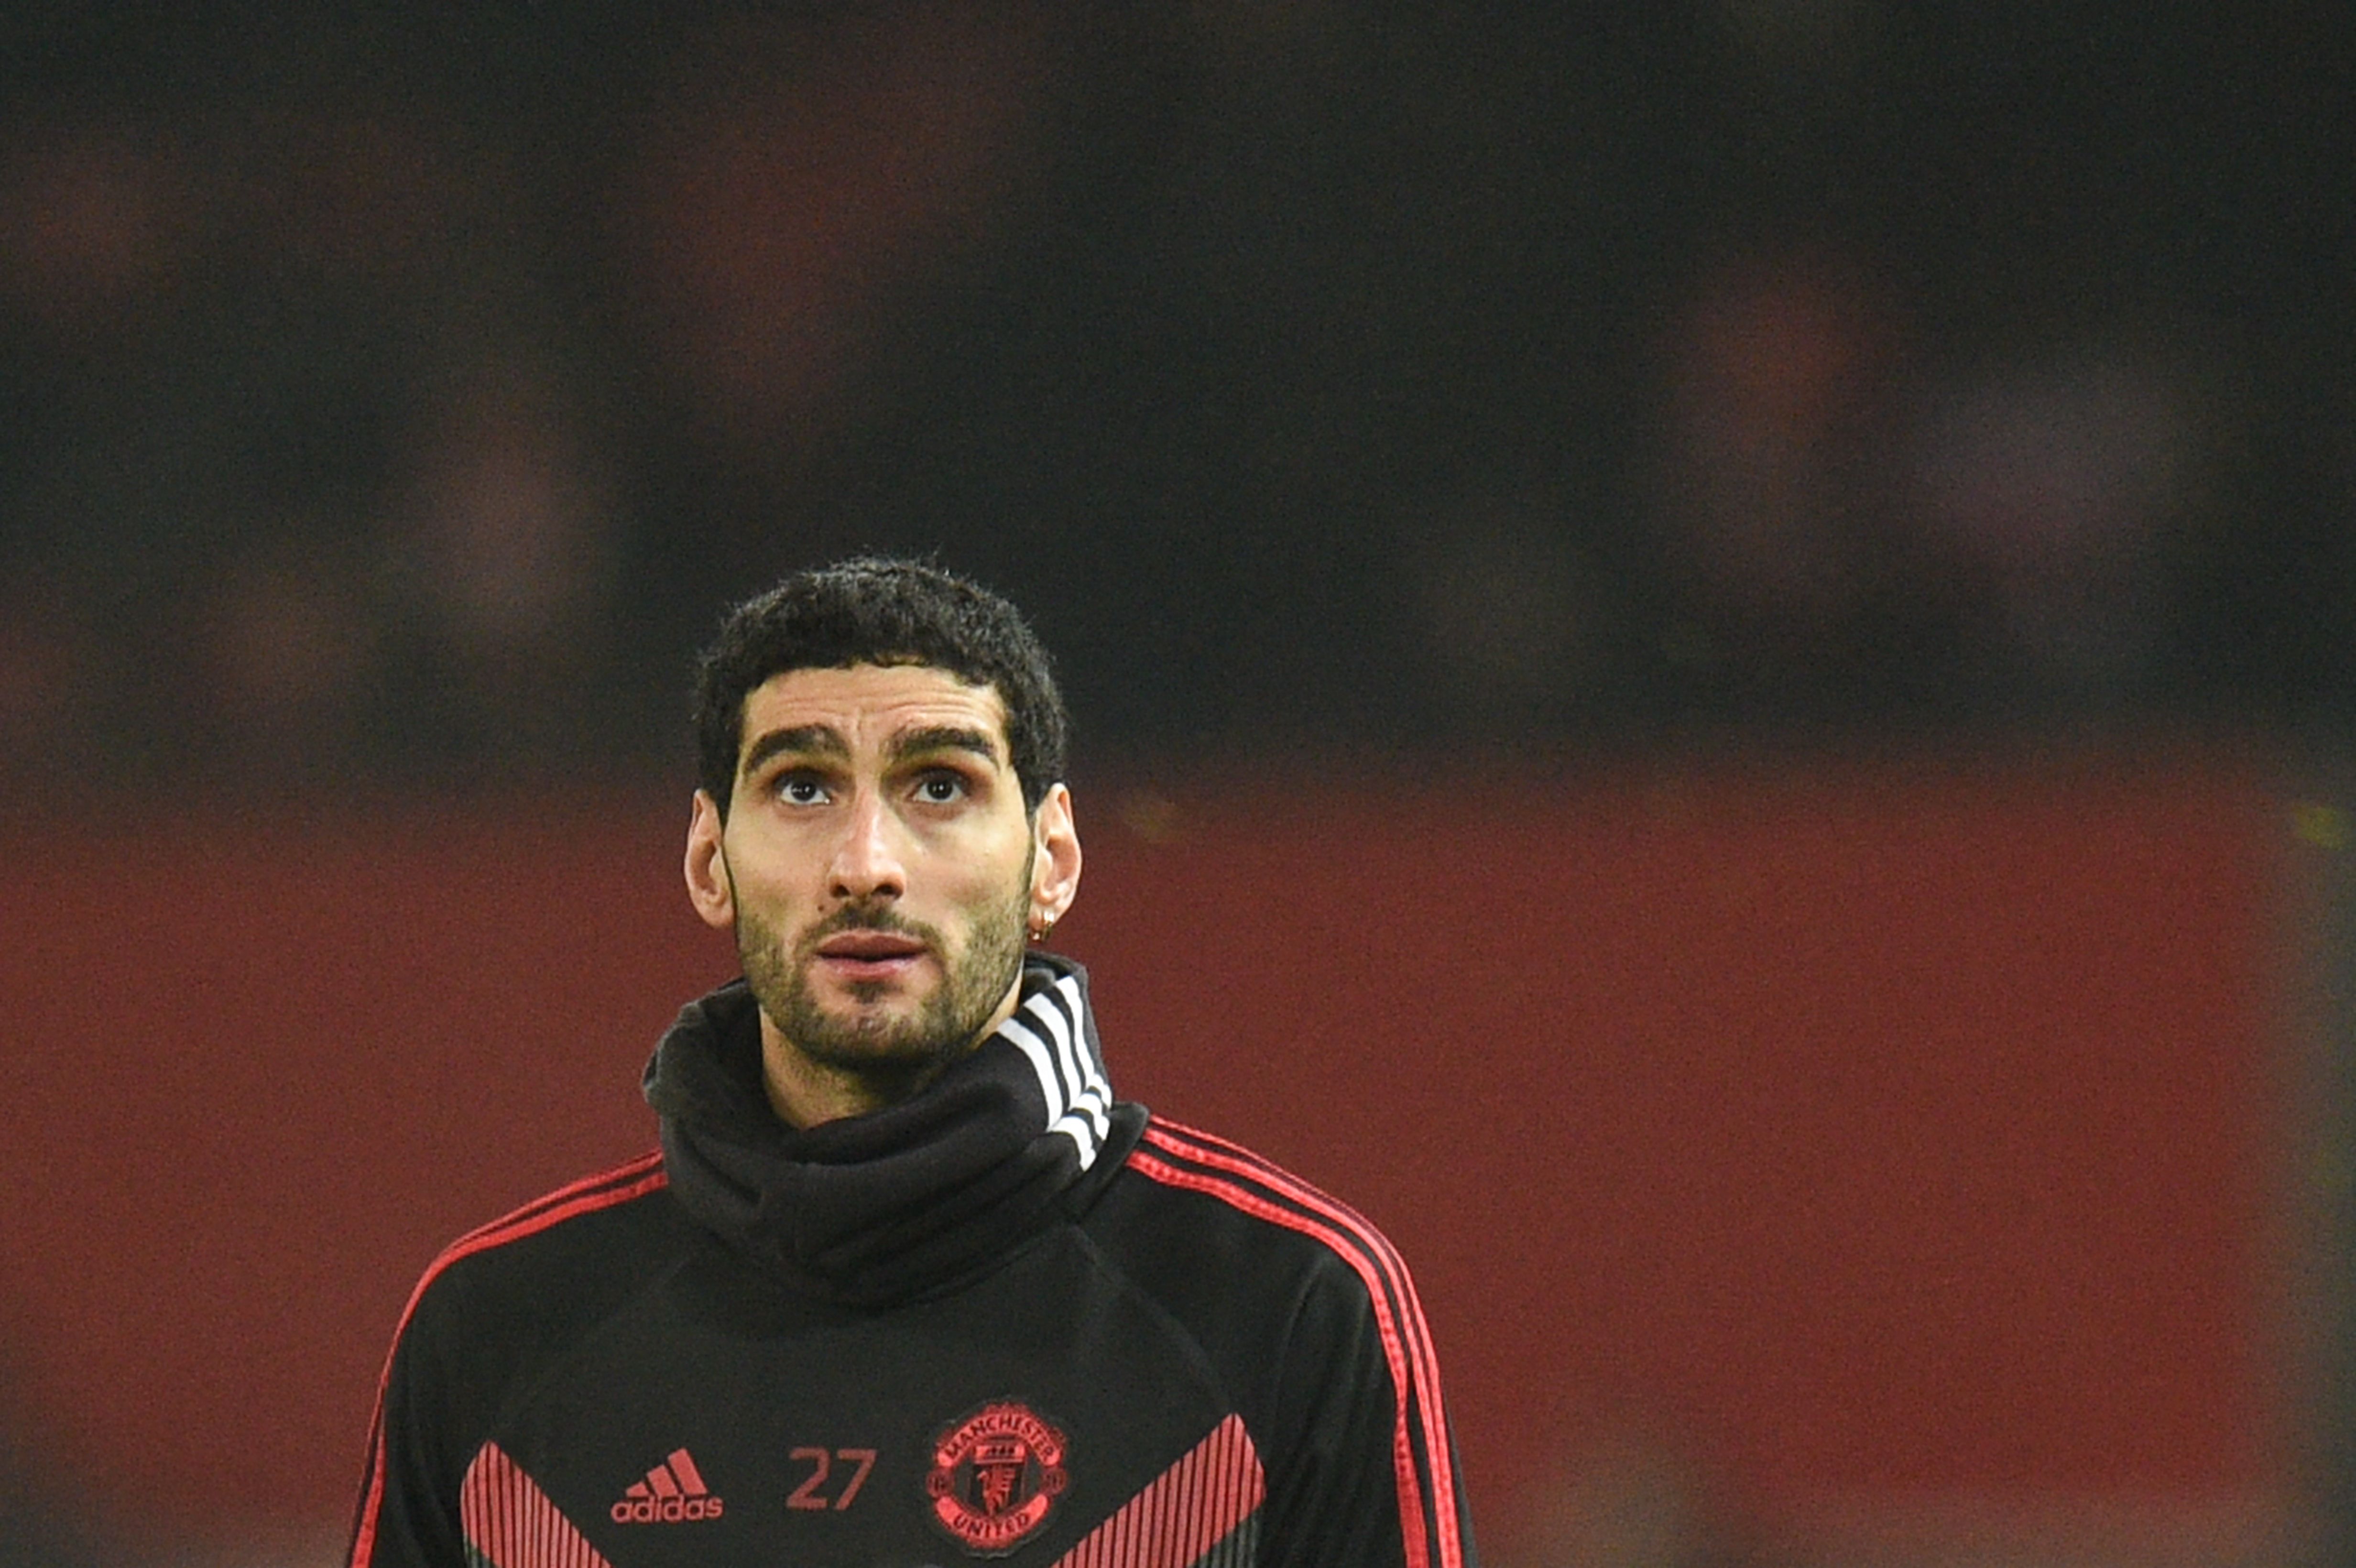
(672, 1492)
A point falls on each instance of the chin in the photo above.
(886, 1031)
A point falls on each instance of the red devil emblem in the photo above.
(996, 1473)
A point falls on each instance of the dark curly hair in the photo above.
(879, 611)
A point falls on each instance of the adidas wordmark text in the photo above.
(672, 1493)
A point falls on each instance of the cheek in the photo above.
(765, 902)
(986, 885)
(775, 863)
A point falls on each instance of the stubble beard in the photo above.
(901, 1052)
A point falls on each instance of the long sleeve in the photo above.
(462, 1344)
(1362, 1464)
(407, 1514)
(1313, 1319)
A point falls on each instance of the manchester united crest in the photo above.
(995, 1475)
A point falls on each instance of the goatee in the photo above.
(904, 1048)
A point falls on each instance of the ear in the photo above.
(708, 888)
(1056, 867)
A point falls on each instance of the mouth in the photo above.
(864, 955)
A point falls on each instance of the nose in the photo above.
(867, 862)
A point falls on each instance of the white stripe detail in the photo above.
(1090, 1095)
(1051, 1083)
(1051, 1087)
(1070, 1081)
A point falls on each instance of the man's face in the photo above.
(879, 871)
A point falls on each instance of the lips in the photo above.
(870, 947)
(866, 955)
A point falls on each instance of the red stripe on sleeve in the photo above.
(634, 1178)
(1409, 1387)
(1205, 1148)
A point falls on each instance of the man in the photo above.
(905, 1284)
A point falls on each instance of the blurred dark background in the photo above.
(391, 395)
(396, 391)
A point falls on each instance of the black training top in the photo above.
(1011, 1318)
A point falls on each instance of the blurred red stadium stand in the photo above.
(1887, 1138)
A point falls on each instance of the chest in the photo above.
(1049, 1415)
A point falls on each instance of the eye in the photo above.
(940, 788)
(800, 789)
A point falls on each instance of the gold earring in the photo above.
(1041, 926)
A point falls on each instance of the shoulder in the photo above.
(572, 1214)
(489, 1314)
(566, 1245)
(1310, 1319)
(1229, 1191)
(1242, 1249)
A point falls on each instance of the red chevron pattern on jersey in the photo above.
(511, 1523)
(1429, 1509)
(634, 1178)
(1202, 1512)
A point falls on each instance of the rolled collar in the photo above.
(892, 1204)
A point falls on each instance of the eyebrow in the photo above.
(826, 741)
(943, 738)
(822, 740)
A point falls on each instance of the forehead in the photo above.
(867, 704)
